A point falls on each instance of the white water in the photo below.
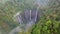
(23, 26)
(30, 22)
(30, 14)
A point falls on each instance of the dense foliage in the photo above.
(47, 26)
(49, 22)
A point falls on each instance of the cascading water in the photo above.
(28, 17)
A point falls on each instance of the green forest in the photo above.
(49, 22)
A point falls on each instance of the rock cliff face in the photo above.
(26, 19)
(30, 16)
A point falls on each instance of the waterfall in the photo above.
(29, 21)
(29, 18)
(30, 14)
